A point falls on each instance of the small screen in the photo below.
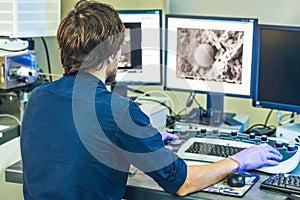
(141, 53)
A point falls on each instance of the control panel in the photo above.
(216, 137)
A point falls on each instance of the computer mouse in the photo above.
(236, 180)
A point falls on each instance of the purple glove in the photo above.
(257, 156)
(168, 136)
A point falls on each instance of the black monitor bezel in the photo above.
(256, 102)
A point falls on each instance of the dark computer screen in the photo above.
(278, 68)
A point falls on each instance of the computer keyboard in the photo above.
(284, 183)
(211, 147)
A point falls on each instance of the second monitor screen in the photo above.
(141, 53)
(131, 49)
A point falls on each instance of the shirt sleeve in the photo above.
(142, 146)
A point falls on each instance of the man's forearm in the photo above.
(202, 176)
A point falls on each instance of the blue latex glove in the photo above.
(168, 136)
(257, 156)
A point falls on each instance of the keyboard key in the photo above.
(284, 183)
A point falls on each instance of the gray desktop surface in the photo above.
(140, 186)
(11, 132)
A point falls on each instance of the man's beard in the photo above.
(111, 73)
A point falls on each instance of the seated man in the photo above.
(78, 139)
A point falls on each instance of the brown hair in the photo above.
(91, 32)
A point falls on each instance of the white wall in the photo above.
(267, 11)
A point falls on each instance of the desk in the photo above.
(140, 186)
(9, 154)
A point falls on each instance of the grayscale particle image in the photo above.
(125, 59)
(206, 54)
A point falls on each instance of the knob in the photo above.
(264, 138)
(184, 133)
(252, 135)
(170, 130)
(233, 133)
(23, 79)
(278, 144)
(291, 147)
(203, 130)
(215, 131)
(177, 142)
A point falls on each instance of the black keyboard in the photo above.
(213, 149)
(284, 183)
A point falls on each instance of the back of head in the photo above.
(90, 33)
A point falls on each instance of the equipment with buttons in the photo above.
(213, 145)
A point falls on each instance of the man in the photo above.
(78, 139)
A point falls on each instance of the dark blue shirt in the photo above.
(78, 141)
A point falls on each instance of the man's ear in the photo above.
(108, 61)
(116, 55)
(112, 58)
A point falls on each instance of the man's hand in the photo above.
(168, 136)
(257, 156)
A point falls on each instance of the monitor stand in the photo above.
(228, 118)
(214, 114)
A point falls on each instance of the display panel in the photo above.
(212, 55)
(278, 68)
(141, 55)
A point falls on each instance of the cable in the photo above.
(42, 73)
(189, 100)
(156, 91)
(47, 56)
(11, 116)
(184, 109)
(261, 129)
(289, 120)
(268, 117)
(162, 103)
(292, 116)
(194, 99)
(136, 91)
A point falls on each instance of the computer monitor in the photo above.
(211, 55)
(141, 53)
(278, 68)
